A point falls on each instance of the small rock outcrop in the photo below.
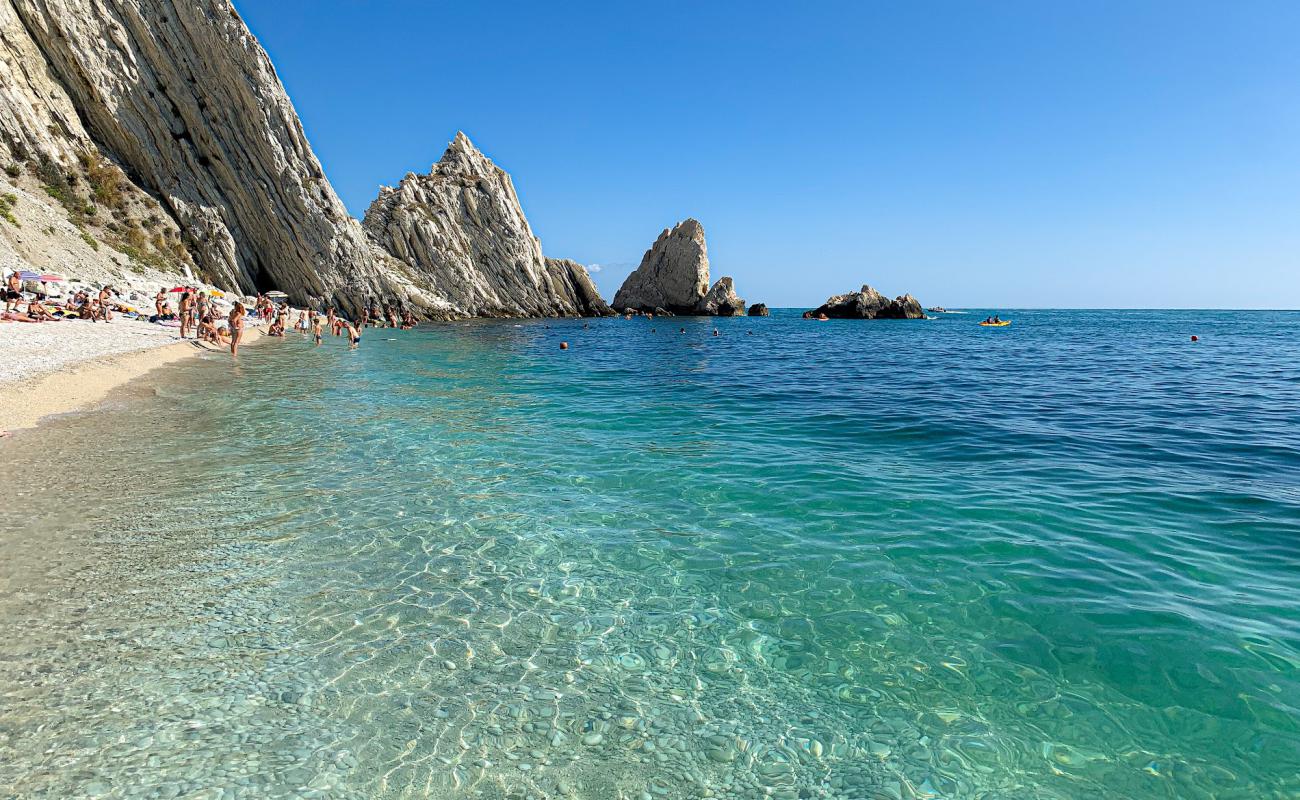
(869, 304)
(674, 277)
(759, 310)
(462, 233)
(721, 301)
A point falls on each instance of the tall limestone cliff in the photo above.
(674, 276)
(462, 233)
(179, 104)
(160, 130)
(62, 196)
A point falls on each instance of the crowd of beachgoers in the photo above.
(201, 314)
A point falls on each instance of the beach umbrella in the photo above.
(216, 293)
(175, 289)
(26, 275)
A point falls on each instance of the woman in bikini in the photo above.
(236, 321)
(208, 328)
(186, 310)
(37, 311)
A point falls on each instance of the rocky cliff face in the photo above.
(869, 304)
(160, 130)
(55, 172)
(462, 233)
(674, 276)
(180, 94)
(589, 301)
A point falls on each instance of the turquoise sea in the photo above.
(851, 560)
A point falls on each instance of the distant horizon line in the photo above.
(1073, 308)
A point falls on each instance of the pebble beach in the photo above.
(57, 367)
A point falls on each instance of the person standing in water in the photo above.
(236, 321)
(317, 325)
(354, 333)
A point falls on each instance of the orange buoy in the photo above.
(1196, 339)
(564, 345)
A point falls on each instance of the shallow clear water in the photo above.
(842, 560)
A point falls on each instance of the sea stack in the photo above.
(674, 277)
(461, 231)
(869, 304)
(759, 310)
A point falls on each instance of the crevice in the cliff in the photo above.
(262, 281)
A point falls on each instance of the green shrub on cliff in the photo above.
(7, 203)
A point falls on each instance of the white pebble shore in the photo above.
(29, 349)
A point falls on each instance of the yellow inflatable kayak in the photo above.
(1004, 323)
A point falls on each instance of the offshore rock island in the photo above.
(867, 303)
(673, 278)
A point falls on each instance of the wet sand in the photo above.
(25, 402)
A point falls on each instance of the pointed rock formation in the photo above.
(869, 304)
(182, 96)
(674, 276)
(721, 301)
(461, 232)
(589, 301)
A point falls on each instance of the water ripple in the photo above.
(839, 560)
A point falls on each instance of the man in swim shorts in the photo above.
(13, 292)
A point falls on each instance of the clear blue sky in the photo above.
(990, 154)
